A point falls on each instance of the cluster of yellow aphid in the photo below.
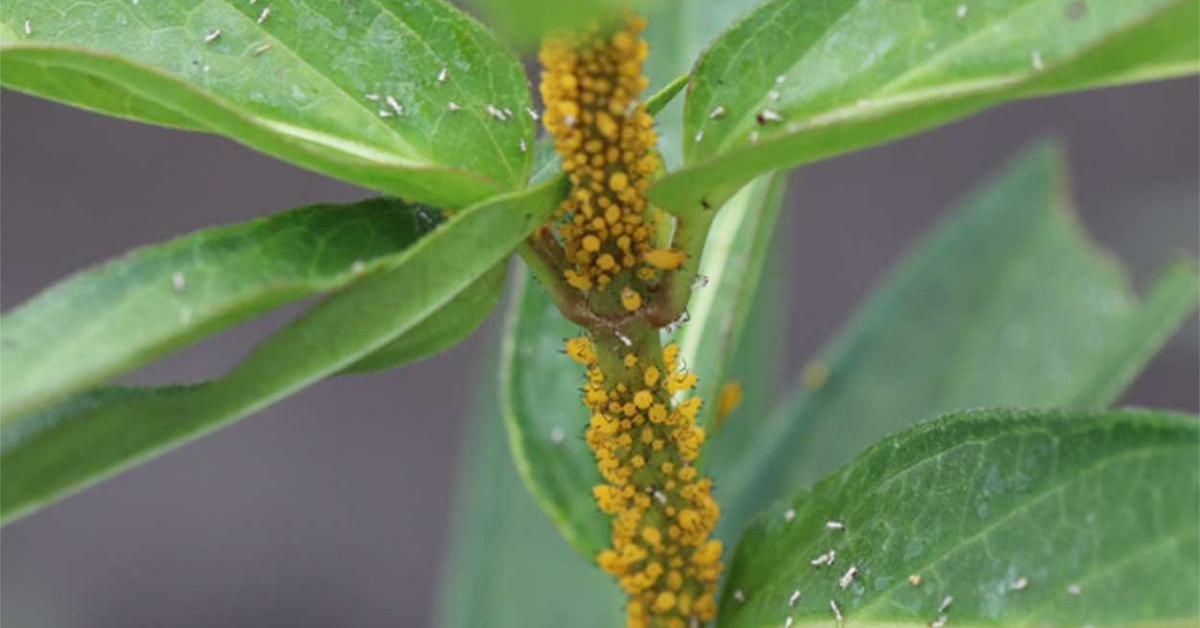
(590, 87)
(663, 512)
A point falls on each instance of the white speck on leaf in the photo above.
(699, 136)
(357, 267)
(557, 435)
(787, 623)
(441, 77)
(178, 281)
(211, 37)
(754, 137)
(834, 525)
(532, 114)
(740, 596)
(946, 602)
(837, 610)
(1074, 589)
(717, 112)
(261, 49)
(384, 113)
(848, 577)
(789, 515)
(372, 96)
(395, 105)
(824, 559)
(28, 27)
(773, 94)
(961, 11)
(915, 580)
(262, 17)
(938, 622)
(769, 115)
(453, 106)
(793, 598)
(1035, 59)
(1019, 584)
(523, 146)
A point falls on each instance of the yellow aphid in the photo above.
(664, 259)
(630, 299)
(728, 400)
(580, 350)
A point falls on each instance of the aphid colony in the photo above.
(590, 86)
(663, 512)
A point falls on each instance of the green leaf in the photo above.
(450, 325)
(305, 82)
(49, 454)
(846, 74)
(138, 307)
(508, 567)
(730, 268)
(1023, 518)
(1005, 303)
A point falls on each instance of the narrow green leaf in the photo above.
(60, 450)
(799, 80)
(450, 325)
(116, 317)
(730, 268)
(309, 83)
(508, 567)
(1017, 518)
(1006, 303)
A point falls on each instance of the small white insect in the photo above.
(28, 27)
(358, 266)
(938, 622)
(754, 137)
(789, 515)
(395, 105)
(946, 602)
(848, 577)
(495, 113)
(769, 115)
(773, 94)
(629, 108)
(569, 120)
(915, 580)
(453, 106)
(837, 610)
(508, 113)
(532, 114)
(1035, 58)
(178, 281)
(700, 282)
(384, 113)
(1074, 589)
(262, 17)
(740, 596)
(961, 11)
(1019, 584)
(780, 79)
(261, 49)
(523, 146)
(371, 96)
(699, 136)
(557, 435)
(787, 623)
(623, 338)
(441, 77)
(660, 497)
(717, 112)
(824, 559)
(834, 525)
(793, 598)
(211, 37)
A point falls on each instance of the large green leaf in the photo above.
(1022, 518)
(798, 80)
(308, 82)
(123, 314)
(85, 439)
(1006, 303)
(507, 565)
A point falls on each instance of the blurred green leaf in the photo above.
(526, 21)
(508, 567)
(49, 454)
(1006, 303)
(305, 82)
(730, 268)
(152, 300)
(1016, 517)
(799, 80)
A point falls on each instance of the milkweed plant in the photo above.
(637, 172)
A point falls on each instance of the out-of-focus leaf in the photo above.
(1006, 303)
(508, 567)
(800, 80)
(116, 317)
(354, 90)
(1061, 518)
(48, 454)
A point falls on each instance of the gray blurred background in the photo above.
(331, 508)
